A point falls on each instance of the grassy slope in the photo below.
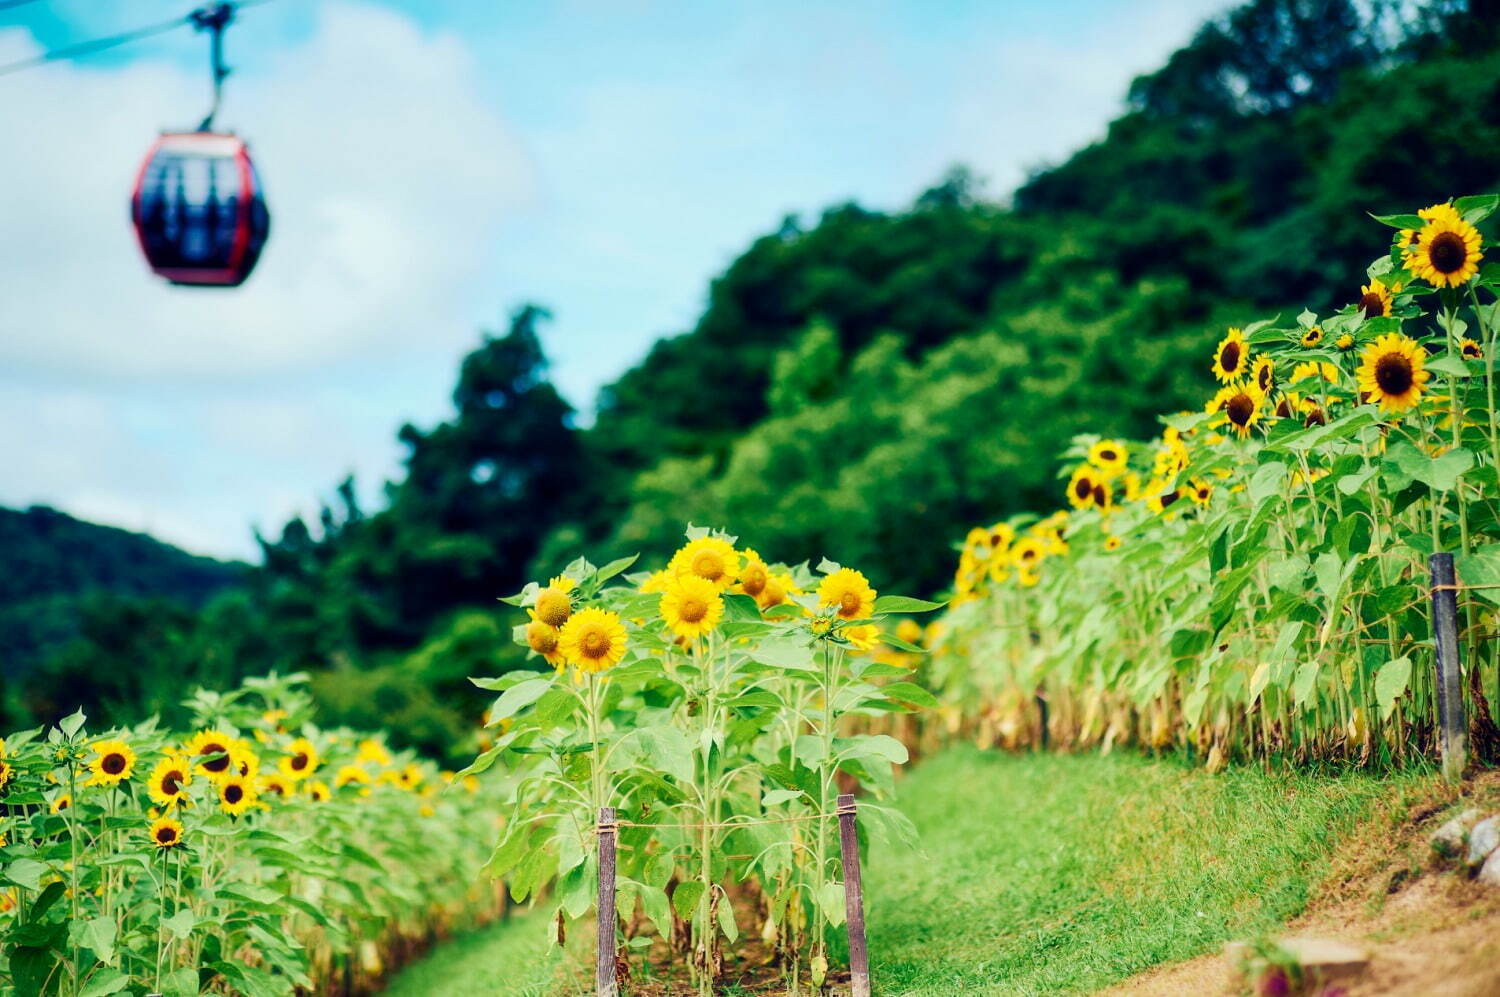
(1043, 874)
(507, 959)
(1057, 873)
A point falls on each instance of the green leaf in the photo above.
(904, 604)
(1266, 482)
(668, 750)
(909, 692)
(1449, 364)
(105, 982)
(517, 698)
(1400, 221)
(653, 901)
(614, 568)
(25, 873)
(726, 919)
(685, 898)
(1481, 567)
(882, 746)
(831, 902)
(1305, 682)
(784, 652)
(99, 937)
(1390, 684)
(1475, 208)
(740, 608)
(778, 796)
(71, 724)
(1405, 463)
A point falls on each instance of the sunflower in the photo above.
(112, 764)
(1028, 553)
(372, 751)
(1375, 298)
(1082, 485)
(712, 558)
(1392, 372)
(1312, 412)
(1109, 457)
(753, 575)
(1112, 543)
(166, 833)
(553, 604)
(1345, 342)
(1170, 460)
(275, 784)
(655, 582)
(865, 637)
(778, 588)
(1200, 491)
(1164, 496)
(1314, 369)
(244, 760)
(5, 773)
(1470, 349)
(273, 719)
(542, 639)
(61, 802)
(410, 776)
(300, 760)
(999, 536)
(236, 794)
(1263, 375)
(1240, 406)
(350, 775)
(593, 640)
(850, 592)
(691, 606)
(1446, 251)
(1313, 336)
(1231, 357)
(317, 791)
(169, 780)
(211, 748)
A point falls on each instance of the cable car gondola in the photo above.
(198, 207)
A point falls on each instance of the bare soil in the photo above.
(1429, 929)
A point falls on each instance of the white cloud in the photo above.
(387, 178)
(190, 412)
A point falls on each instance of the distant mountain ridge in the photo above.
(52, 563)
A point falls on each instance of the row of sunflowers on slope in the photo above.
(715, 704)
(1254, 582)
(257, 854)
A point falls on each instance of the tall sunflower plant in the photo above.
(714, 703)
(254, 853)
(1253, 582)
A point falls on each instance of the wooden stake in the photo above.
(854, 899)
(605, 978)
(1453, 728)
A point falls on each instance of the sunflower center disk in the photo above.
(692, 610)
(1393, 374)
(171, 783)
(848, 604)
(594, 644)
(1229, 357)
(754, 582)
(1447, 252)
(708, 566)
(113, 764)
(1239, 409)
(233, 794)
(1372, 306)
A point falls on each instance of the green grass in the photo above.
(1066, 873)
(1038, 874)
(506, 959)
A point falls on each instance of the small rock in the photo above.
(1324, 959)
(1489, 873)
(1483, 839)
(1448, 840)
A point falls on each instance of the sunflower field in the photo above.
(255, 854)
(1254, 583)
(718, 704)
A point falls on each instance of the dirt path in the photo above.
(1428, 930)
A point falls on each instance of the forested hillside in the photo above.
(60, 576)
(868, 383)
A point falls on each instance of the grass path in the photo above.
(1042, 874)
(506, 959)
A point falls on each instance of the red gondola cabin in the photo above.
(199, 210)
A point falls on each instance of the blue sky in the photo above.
(432, 165)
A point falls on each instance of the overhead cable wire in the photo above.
(111, 41)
